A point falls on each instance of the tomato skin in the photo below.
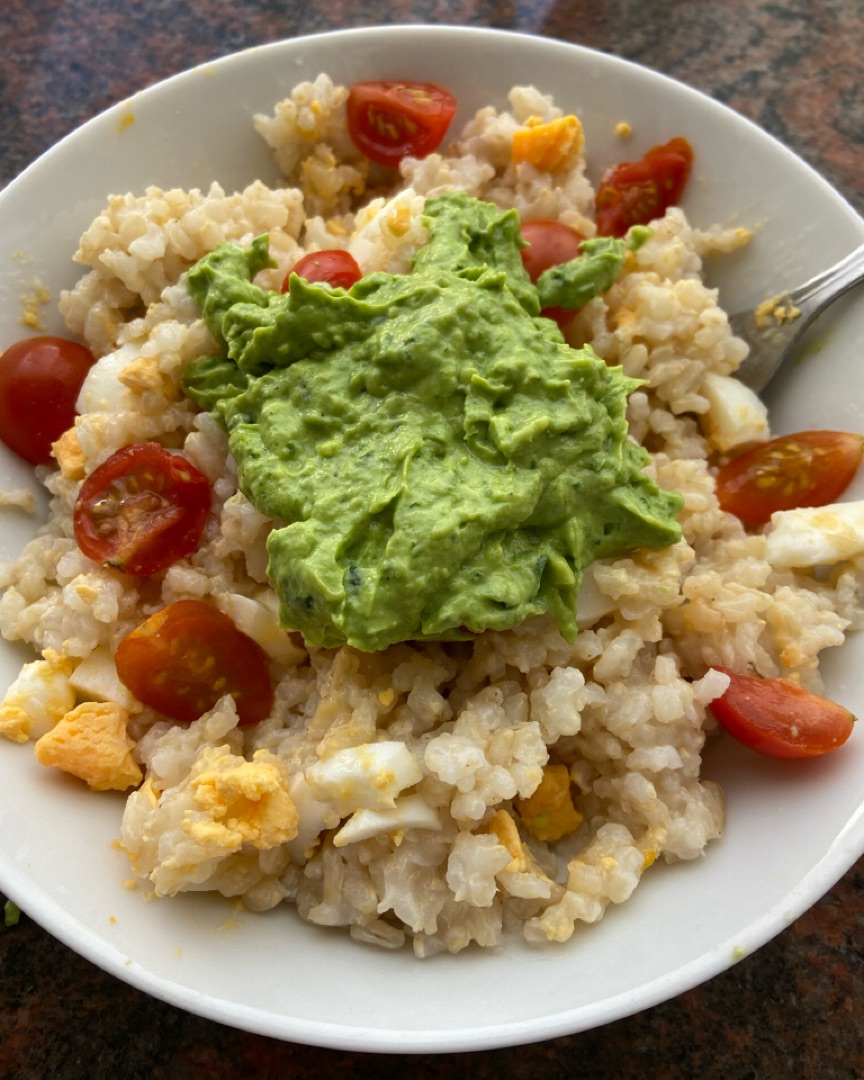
(779, 718)
(40, 379)
(142, 509)
(333, 266)
(187, 656)
(550, 243)
(636, 192)
(812, 468)
(390, 120)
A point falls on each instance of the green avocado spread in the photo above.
(437, 459)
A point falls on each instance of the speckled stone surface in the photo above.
(796, 1007)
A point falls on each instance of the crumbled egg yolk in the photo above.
(387, 697)
(70, 457)
(504, 827)
(774, 312)
(31, 304)
(245, 801)
(399, 222)
(549, 813)
(550, 146)
(90, 742)
(143, 375)
(39, 697)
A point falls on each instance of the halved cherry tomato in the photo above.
(636, 192)
(812, 468)
(187, 656)
(142, 509)
(550, 243)
(389, 121)
(778, 717)
(40, 379)
(333, 266)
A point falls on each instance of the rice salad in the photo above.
(437, 793)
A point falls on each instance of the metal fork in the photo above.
(773, 336)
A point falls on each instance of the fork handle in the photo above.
(772, 344)
(816, 294)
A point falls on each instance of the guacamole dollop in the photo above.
(438, 460)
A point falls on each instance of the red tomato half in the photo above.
(636, 192)
(184, 658)
(812, 468)
(550, 243)
(389, 121)
(40, 380)
(778, 717)
(142, 509)
(333, 266)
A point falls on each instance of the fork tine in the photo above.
(772, 337)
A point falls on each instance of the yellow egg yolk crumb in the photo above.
(90, 742)
(551, 146)
(549, 813)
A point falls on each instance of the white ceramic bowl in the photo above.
(793, 830)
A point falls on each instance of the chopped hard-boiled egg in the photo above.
(410, 812)
(549, 813)
(522, 876)
(90, 742)
(103, 390)
(69, 455)
(735, 414)
(551, 146)
(260, 620)
(504, 827)
(244, 801)
(816, 535)
(96, 679)
(37, 699)
(366, 777)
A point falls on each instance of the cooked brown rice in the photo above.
(294, 809)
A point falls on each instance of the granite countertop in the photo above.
(794, 1008)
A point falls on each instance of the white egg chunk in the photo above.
(39, 698)
(96, 679)
(735, 414)
(591, 603)
(102, 390)
(365, 777)
(816, 535)
(261, 623)
(410, 812)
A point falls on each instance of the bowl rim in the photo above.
(47, 911)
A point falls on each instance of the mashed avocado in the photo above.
(437, 459)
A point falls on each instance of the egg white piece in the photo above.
(816, 535)
(365, 777)
(102, 390)
(735, 414)
(410, 812)
(39, 697)
(96, 678)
